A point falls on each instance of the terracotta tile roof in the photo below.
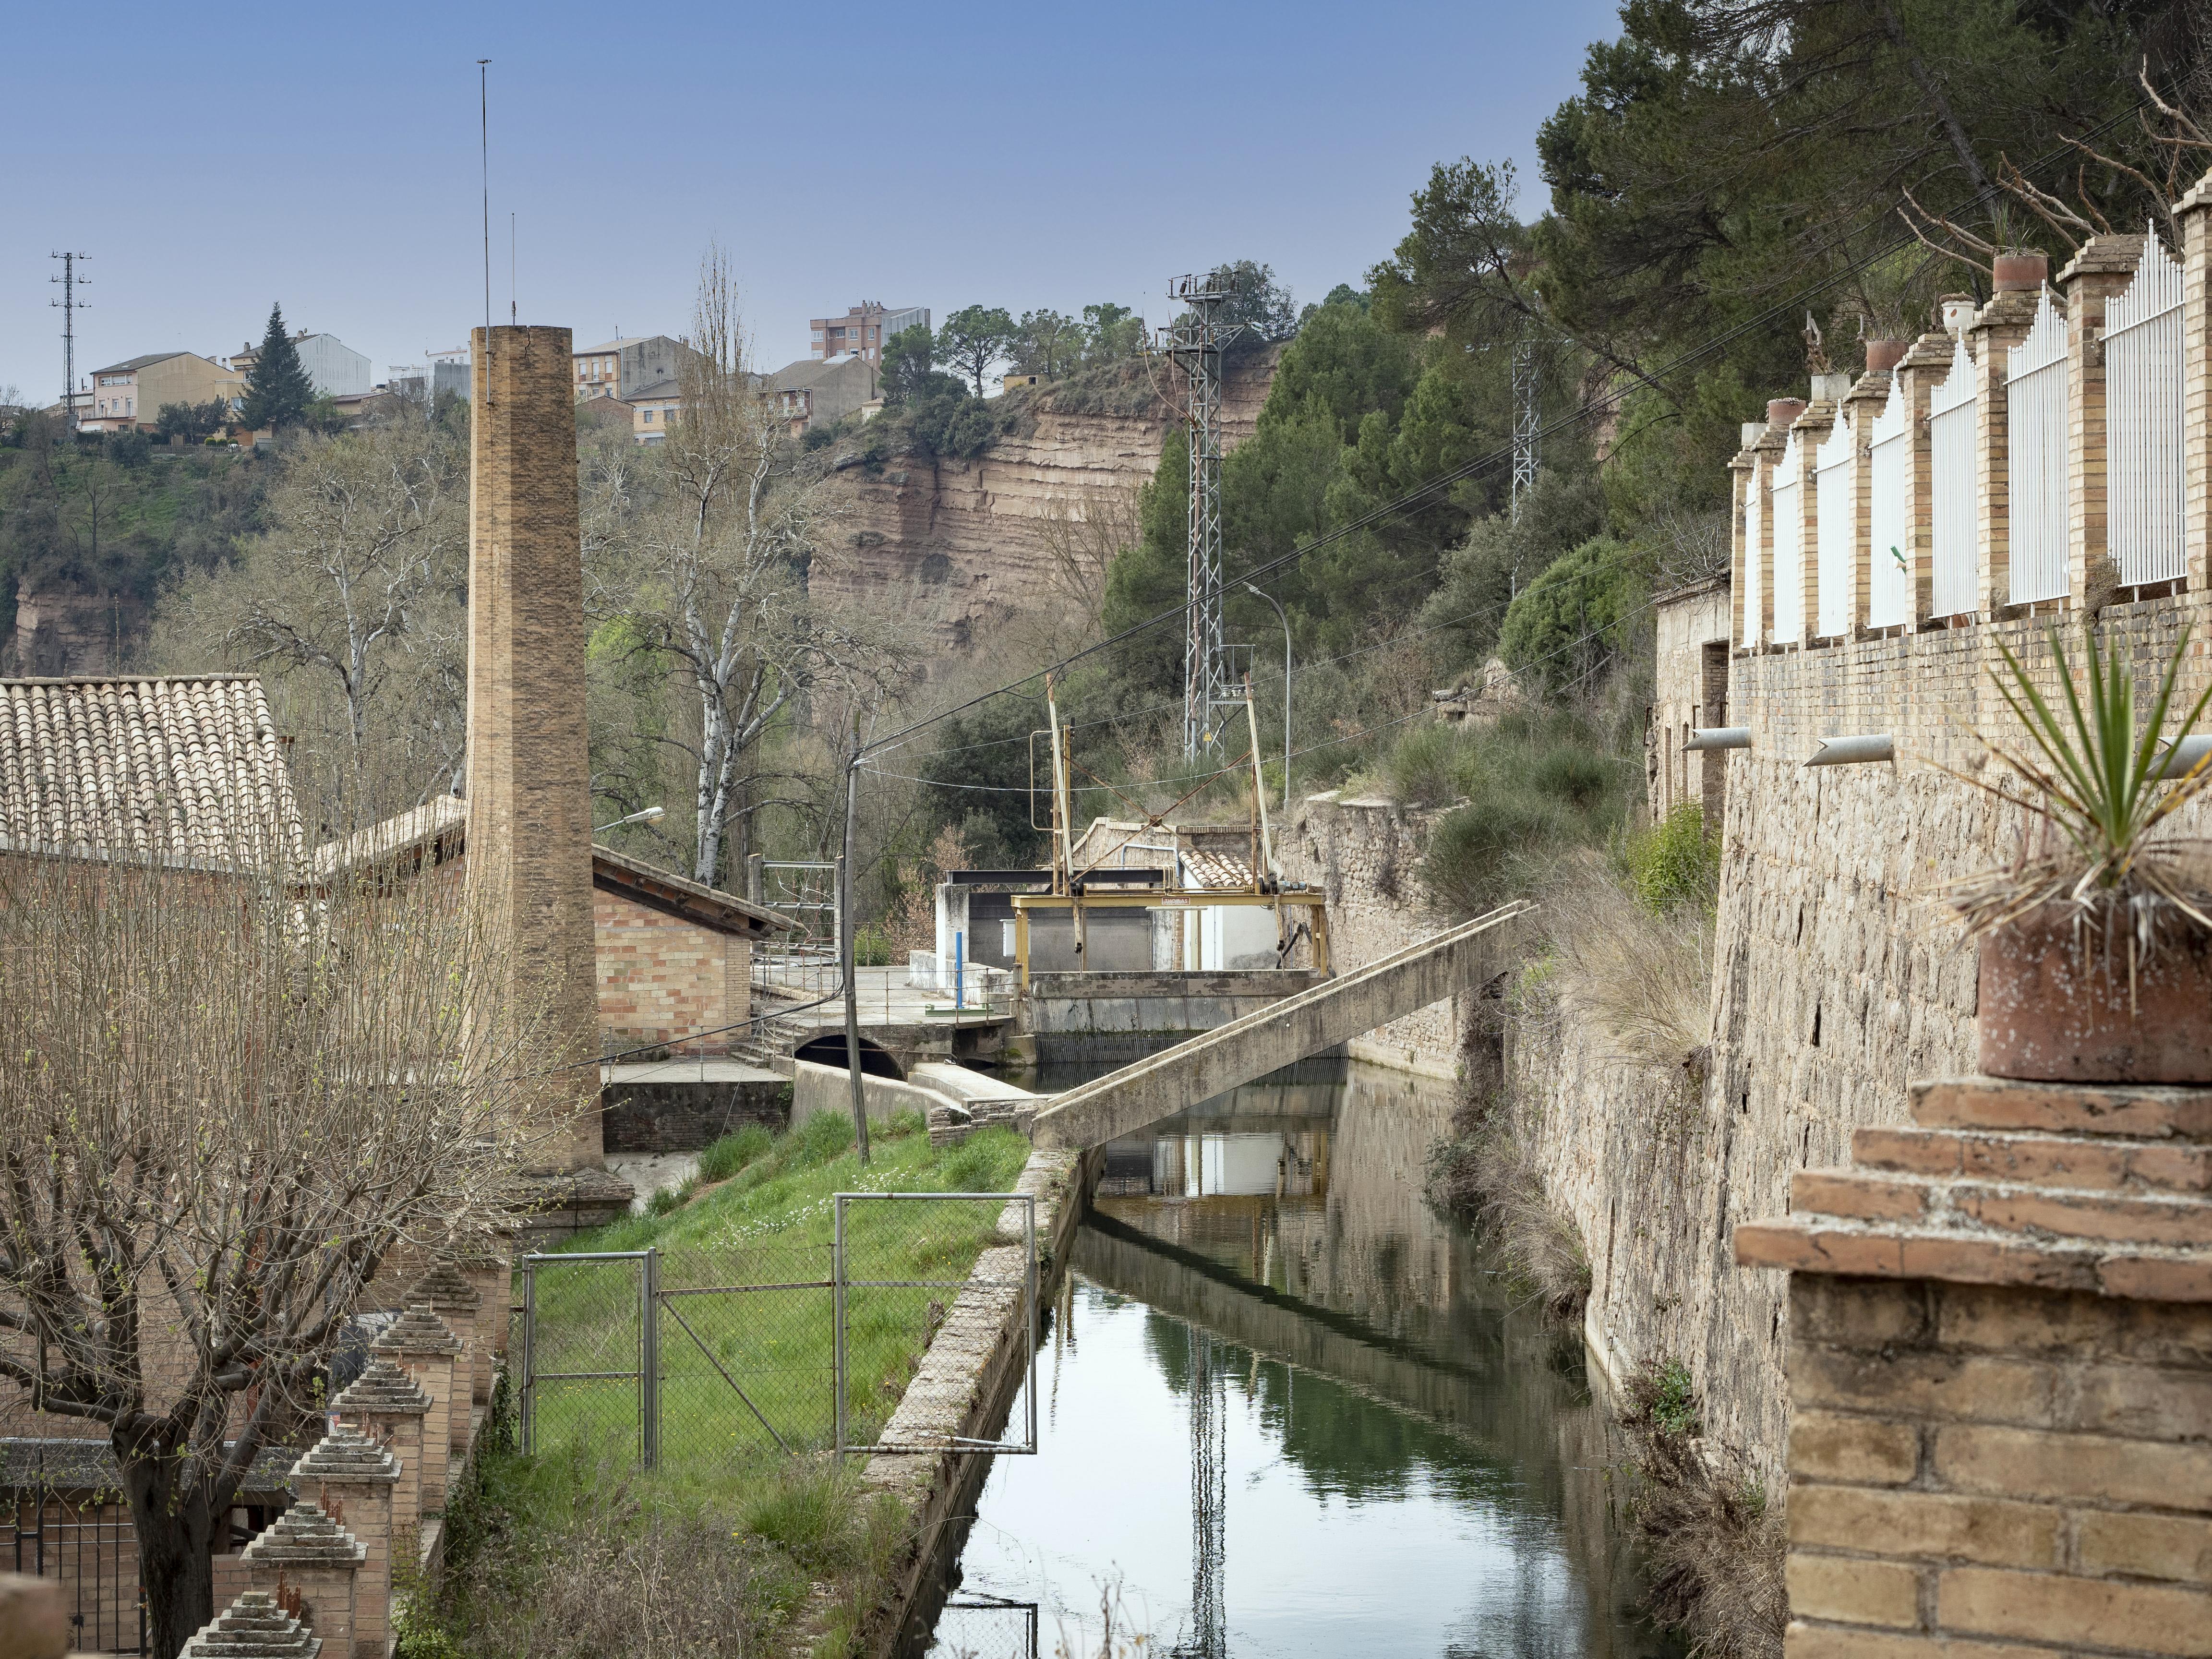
(187, 768)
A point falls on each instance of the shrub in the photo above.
(734, 1152)
(1675, 863)
(871, 946)
(1713, 1547)
(1479, 1175)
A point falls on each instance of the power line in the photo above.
(1422, 493)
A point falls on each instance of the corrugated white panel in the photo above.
(1834, 484)
(1889, 562)
(2142, 389)
(1955, 516)
(2036, 483)
(1754, 559)
(1789, 545)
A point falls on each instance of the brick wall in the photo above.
(661, 977)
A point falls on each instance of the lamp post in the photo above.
(650, 815)
(1285, 622)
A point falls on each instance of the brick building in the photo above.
(128, 395)
(862, 330)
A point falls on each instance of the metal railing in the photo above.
(2036, 486)
(2143, 365)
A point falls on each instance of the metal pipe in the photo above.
(1285, 620)
(848, 935)
(648, 1380)
(1705, 739)
(2178, 760)
(1853, 751)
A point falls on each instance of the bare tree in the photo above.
(231, 1095)
(708, 566)
(351, 605)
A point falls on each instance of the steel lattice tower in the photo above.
(1194, 343)
(69, 304)
(1526, 423)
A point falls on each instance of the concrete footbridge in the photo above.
(1122, 1103)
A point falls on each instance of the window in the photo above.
(649, 417)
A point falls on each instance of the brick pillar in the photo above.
(2104, 267)
(1766, 455)
(351, 1477)
(529, 790)
(454, 1300)
(307, 1564)
(1859, 406)
(255, 1627)
(1999, 1374)
(1998, 327)
(2194, 212)
(388, 1405)
(1740, 471)
(34, 1613)
(488, 1265)
(1923, 368)
(422, 1345)
(1808, 432)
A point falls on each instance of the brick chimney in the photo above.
(529, 789)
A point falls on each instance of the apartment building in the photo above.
(334, 369)
(626, 369)
(128, 395)
(810, 390)
(862, 330)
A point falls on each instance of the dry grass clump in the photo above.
(1713, 1547)
(1481, 1175)
(1640, 978)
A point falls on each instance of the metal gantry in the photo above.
(1194, 343)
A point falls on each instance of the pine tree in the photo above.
(278, 389)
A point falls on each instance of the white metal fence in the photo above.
(1889, 562)
(2143, 392)
(2037, 489)
(1790, 544)
(1754, 563)
(1835, 485)
(1956, 517)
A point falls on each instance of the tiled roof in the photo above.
(187, 768)
(1215, 869)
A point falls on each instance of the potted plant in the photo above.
(2096, 944)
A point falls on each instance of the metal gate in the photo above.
(878, 1305)
(773, 1343)
(986, 1627)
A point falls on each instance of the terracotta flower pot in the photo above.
(2018, 273)
(2055, 1008)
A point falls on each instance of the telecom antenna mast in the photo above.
(1526, 423)
(70, 306)
(1194, 343)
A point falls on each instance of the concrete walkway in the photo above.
(1122, 1103)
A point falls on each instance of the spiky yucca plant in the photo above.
(2102, 783)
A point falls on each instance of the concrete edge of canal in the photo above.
(965, 1386)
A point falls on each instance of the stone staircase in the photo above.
(770, 1039)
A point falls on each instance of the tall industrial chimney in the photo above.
(529, 781)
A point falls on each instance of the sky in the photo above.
(212, 159)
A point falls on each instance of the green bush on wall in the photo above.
(1675, 862)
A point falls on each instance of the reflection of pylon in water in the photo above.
(1209, 1498)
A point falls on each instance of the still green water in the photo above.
(1286, 1410)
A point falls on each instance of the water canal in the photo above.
(1286, 1410)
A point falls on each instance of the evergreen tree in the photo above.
(278, 389)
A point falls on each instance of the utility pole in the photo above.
(1526, 423)
(1194, 343)
(69, 304)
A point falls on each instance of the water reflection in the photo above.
(1290, 1412)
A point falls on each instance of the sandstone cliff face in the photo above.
(958, 546)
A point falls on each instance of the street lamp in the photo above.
(650, 815)
(1285, 622)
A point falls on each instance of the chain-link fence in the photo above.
(710, 1356)
(985, 1627)
(902, 1281)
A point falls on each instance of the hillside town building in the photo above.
(862, 330)
(125, 396)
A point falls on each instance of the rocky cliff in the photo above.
(959, 546)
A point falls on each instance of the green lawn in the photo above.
(766, 1350)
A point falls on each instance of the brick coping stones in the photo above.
(419, 1330)
(382, 1388)
(446, 1290)
(253, 1627)
(345, 1456)
(305, 1536)
(2105, 1188)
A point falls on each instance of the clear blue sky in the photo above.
(211, 159)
